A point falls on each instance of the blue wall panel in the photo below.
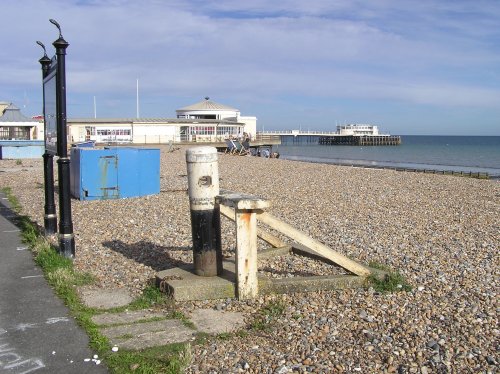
(14, 149)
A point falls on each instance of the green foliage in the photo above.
(169, 359)
(392, 282)
(268, 315)
(49, 260)
(151, 295)
(224, 336)
(14, 203)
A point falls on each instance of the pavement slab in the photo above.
(149, 334)
(105, 298)
(213, 321)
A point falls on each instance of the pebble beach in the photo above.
(440, 232)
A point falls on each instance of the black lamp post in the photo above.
(66, 237)
(50, 217)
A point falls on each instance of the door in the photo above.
(100, 180)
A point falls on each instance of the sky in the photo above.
(410, 67)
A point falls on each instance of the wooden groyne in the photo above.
(467, 174)
(364, 140)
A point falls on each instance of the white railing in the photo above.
(296, 132)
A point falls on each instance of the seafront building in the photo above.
(15, 126)
(204, 121)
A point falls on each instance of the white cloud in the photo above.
(441, 53)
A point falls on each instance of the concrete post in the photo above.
(203, 187)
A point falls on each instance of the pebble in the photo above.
(440, 232)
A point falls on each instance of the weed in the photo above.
(14, 202)
(392, 282)
(151, 296)
(267, 316)
(169, 359)
(224, 336)
(19, 162)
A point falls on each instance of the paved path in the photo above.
(37, 335)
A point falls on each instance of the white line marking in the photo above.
(25, 326)
(11, 230)
(21, 248)
(32, 276)
(53, 320)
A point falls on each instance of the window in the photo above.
(203, 130)
(15, 132)
(4, 133)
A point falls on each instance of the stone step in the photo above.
(148, 334)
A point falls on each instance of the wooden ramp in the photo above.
(300, 237)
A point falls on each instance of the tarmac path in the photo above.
(37, 333)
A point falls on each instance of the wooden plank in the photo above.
(313, 244)
(270, 239)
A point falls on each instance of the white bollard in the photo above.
(203, 187)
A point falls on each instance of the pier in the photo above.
(329, 137)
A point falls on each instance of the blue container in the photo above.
(114, 173)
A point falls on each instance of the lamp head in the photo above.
(54, 22)
(41, 45)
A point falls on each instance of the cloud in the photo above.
(441, 53)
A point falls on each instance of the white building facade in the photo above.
(205, 121)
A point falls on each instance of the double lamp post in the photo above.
(56, 144)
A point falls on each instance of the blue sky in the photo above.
(410, 67)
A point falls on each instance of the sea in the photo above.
(476, 154)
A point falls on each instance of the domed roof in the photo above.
(207, 104)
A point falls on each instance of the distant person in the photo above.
(246, 141)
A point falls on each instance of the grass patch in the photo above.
(169, 359)
(61, 275)
(151, 296)
(267, 316)
(14, 203)
(392, 282)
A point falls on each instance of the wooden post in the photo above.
(245, 208)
